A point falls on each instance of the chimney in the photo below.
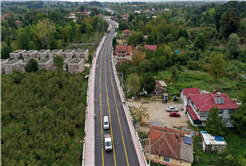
(214, 91)
(218, 94)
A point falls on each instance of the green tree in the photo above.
(186, 16)
(32, 65)
(150, 39)
(179, 67)
(140, 113)
(65, 34)
(215, 124)
(230, 22)
(182, 42)
(32, 46)
(144, 66)
(114, 43)
(180, 34)
(141, 25)
(90, 57)
(160, 39)
(59, 62)
(133, 83)
(217, 66)
(233, 46)
(239, 115)
(200, 41)
(88, 29)
(8, 41)
(5, 52)
(148, 82)
(169, 63)
(175, 76)
(186, 35)
(22, 39)
(52, 42)
(217, 17)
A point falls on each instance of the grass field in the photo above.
(200, 79)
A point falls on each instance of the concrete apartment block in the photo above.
(16, 54)
(30, 54)
(3, 61)
(11, 65)
(43, 53)
(68, 53)
(54, 53)
(22, 65)
(82, 53)
(76, 65)
(45, 63)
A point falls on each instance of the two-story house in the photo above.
(11, 65)
(54, 53)
(22, 66)
(68, 53)
(199, 105)
(2, 62)
(76, 65)
(122, 53)
(16, 54)
(125, 34)
(43, 53)
(30, 54)
(169, 147)
(45, 63)
(82, 53)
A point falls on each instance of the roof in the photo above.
(127, 49)
(55, 51)
(209, 139)
(186, 151)
(145, 36)
(30, 52)
(167, 142)
(151, 47)
(44, 61)
(18, 22)
(71, 13)
(12, 62)
(76, 61)
(81, 50)
(162, 83)
(126, 31)
(3, 60)
(192, 113)
(191, 90)
(25, 61)
(68, 51)
(18, 52)
(204, 102)
(43, 51)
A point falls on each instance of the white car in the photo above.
(172, 109)
(108, 142)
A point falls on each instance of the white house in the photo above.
(184, 92)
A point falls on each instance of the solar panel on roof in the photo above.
(187, 140)
(215, 100)
(222, 100)
(219, 102)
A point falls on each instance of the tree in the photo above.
(215, 124)
(175, 76)
(182, 42)
(22, 39)
(133, 83)
(90, 57)
(144, 66)
(217, 67)
(52, 42)
(179, 67)
(186, 35)
(230, 22)
(32, 46)
(150, 39)
(88, 29)
(140, 113)
(160, 39)
(59, 62)
(123, 26)
(217, 17)
(239, 115)
(186, 16)
(5, 52)
(148, 82)
(8, 41)
(114, 43)
(233, 46)
(32, 65)
(180, 34)
(200, 42)
(65, 34)
(169, 63)
(137, 57)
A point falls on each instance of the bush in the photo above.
(193, 65)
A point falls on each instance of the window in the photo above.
(10, 67)
(230, 111)
(75, 67)
(123, 55)
(43, 66)
(166, 159)
(220, 112)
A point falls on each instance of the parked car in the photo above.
(174, 114)
(171, 109)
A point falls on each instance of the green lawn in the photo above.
(200, 79)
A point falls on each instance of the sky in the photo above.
(118, 0)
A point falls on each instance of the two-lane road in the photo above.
(108, 103)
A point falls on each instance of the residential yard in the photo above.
(121, 42)
(200, 79)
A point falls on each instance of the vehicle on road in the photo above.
(174, 114)
(108, 142)
(171, 109)
(105, 122)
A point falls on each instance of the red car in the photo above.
(174, 114)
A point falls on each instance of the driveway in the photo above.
(160, 117)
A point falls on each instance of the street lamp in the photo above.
(149, 146)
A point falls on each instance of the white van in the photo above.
(105, 122)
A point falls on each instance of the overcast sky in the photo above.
(118, 0)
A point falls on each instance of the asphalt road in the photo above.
(108, 103)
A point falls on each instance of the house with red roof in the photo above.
(125, 33)
(122, 53)
(72, 14)
(18, 22)
(145, 36)
(84, 13)
(169, 147)
(197, 106)
(100, 15)
(150, 47)
(125, 17)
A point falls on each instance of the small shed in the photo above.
(211, 143)
(160, 86)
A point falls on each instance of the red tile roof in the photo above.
(191, 90)
(18, 22)
(71, 13)
(85, 13)
(145, 36)
(126, 49)
(126, 31)
(165, 142)
(204, 102)
(151, 47)
(192, 113)
(125, 15)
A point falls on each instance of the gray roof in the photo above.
(45, 60)
(68, 51)
(3, 60)
(25, 61)
(55, 51)
(17, 51)
(13, 61)
(76, 60)
(30, 51)
(186, 151)
(162, 83)
(43, 51)
(81, 50)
